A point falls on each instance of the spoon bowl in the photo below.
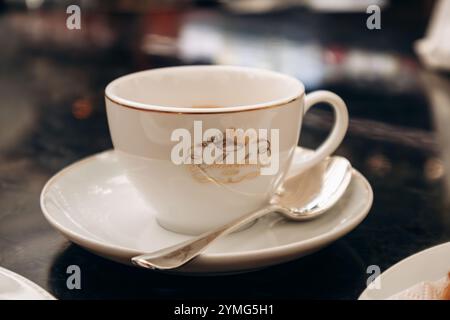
(309, 194)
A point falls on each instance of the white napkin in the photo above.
(434, 49)
(433, 290)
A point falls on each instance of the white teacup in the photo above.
(148, 111)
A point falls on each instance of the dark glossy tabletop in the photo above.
(52, 113)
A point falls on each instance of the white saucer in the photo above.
(428, 265)
(94, 205)
(16, 287)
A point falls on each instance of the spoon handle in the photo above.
(179, 254)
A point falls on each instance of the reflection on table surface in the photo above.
(52, 114)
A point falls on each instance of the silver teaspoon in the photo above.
(304, 196)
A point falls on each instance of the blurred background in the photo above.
(325, 43)
(397, 90)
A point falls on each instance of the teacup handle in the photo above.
(337, 133)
